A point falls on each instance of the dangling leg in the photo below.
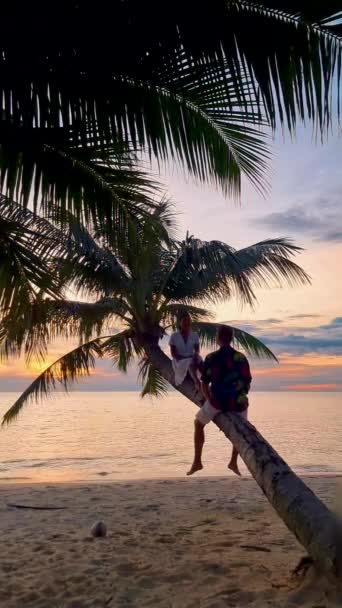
(233, 465)
(198, 445)
(194, 369)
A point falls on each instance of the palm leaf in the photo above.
(213, 271)
(74, 165)
(292, 51)
(154, 384)
(170, 313)
(268, 262)
(93, 183)
(121, 349)
(196, 271)
(90, 267)
(252, 346)
(189, 87)
(284, 48)
(67, 369)
(46, 320)
(27, 245)
(198, 127)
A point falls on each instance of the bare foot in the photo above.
(234, 467)
(195, 467)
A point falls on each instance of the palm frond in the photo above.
(200, 128)
(212, 271)
(37, 326)
(66, 370)
(181, 119)
(121, 349)
(154, 384)
(27, 246)
(269, 263)
(70, 171)
(240, 55)
(90, 267)
(97, 187)
(292, 48)
(170, 313)
(165, 213)
(183, 91)
(251, 346)
(205, 271)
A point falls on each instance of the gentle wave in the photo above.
(114, 436)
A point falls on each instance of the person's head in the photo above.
(225, 335)
(185, 322)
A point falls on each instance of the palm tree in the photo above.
(143, 292)
(192, 83)
(144, 289)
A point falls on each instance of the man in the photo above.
(226, 381)
(185, 348)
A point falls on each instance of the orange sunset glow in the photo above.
(312, 387)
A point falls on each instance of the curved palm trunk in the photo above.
(315, 527)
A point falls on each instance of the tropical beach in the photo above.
(170, 321)
(211, 542)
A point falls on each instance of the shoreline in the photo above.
(27, 481)
(182, 543)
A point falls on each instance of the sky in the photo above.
(303, 325)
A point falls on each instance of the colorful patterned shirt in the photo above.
(228, 373)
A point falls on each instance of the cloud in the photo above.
(317, 218)
(312, 387)
(300, 344)
(303, 316)
(310, 372)
(297, 340)
(255, 325)
(335, 324)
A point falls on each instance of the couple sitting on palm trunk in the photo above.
(225, 380)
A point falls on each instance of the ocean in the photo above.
(93, 436)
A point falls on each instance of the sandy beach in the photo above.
(200, 542)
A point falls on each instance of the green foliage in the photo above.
(170, 313)
(192, 84)
(27, 244)
(201, 85)
(143, 290)
(250, 345)
(121, 349)
(154, 384)
(213, 271)
(31, 330)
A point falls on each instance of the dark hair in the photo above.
(225, 334)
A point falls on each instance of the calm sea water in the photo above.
(94, 436)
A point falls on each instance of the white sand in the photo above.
(170, 544)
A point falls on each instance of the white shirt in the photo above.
(185, 349)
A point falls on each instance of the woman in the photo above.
(185, 348)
